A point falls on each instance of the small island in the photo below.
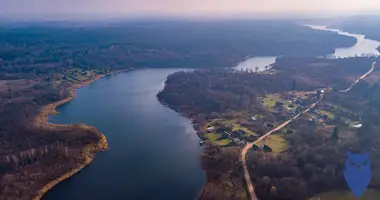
(305, 158)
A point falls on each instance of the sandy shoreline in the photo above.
(41, 121)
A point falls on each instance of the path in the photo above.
(249, 184)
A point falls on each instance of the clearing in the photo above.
(276, 142)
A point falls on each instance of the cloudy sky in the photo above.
(186, 7)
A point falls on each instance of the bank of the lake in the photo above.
(89, 152)
(154, 152)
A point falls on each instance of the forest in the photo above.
(314, 161)
(160, 43)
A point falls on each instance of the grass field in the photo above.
(213, 138)
(276, 142)
(233, 123)
(352, 124)
(347, 195)
(236, 127)
(329, 114)
(270, 100)
(287, 105)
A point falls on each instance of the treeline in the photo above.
(161, 44)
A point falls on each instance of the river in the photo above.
(363, 47)
(154, 152)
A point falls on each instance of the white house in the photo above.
(357, 125)
(210, 129)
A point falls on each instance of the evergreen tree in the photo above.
(335, 133)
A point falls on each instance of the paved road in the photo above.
(249, 184)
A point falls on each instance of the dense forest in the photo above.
(314, 162)
(160, 43)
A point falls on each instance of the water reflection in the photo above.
(257, 63)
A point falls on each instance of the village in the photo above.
(243, 128)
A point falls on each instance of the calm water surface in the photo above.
(154, 152)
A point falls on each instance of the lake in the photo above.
(363, 47)
(154, 152)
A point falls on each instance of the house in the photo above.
(289, 131)
(267, 148)
(298, 109)
(223, 137)
(279, 104)
(236, 141)
(313, 121)
(357, 125)
(252, 138)
(312, 110)
(220, 130)
(210, 129)
(255, 147)
(227, 133)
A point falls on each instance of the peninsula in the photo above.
(299, 119)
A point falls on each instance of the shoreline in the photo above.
(89, 151)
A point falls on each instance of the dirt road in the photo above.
(250, 188)
(249, 184)
(360, 78)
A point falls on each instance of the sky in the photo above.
(195, 8)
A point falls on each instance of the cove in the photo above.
(154, 152)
